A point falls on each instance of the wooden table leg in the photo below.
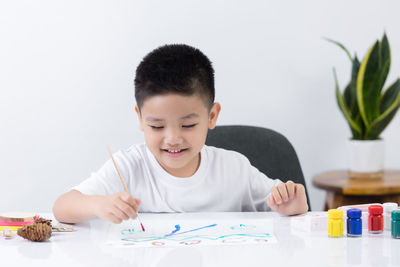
(333, 200)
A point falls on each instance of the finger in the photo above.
(290, 186)
(271, 203)
(283, 192)
(119, 213)
(111, 217)
(126, 209)
(126, 197)
(299, 190)
(301, 196)
(275, 194)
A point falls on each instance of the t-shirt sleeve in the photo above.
(260, 189)
(257, 187)
(105, 181)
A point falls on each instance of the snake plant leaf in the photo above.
(341, 46)
(390, 103)
(390, 96)
(384, 61)
(348, 97)
(350, 92)
(355, 128)
(355, 115)
(367, 110)
(377, 127)
(368, 91)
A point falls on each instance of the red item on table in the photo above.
(375, 219)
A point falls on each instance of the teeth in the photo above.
(174, 151)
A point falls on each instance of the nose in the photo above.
(173, 136)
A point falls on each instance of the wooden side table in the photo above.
(342, 190)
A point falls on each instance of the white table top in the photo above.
(85, 247)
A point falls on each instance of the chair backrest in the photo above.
(270, 152)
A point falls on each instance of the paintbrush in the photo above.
(122, 181)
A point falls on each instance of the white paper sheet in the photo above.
(191, 233)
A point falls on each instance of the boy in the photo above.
(174, 171)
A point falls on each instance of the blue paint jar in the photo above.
(354, 223)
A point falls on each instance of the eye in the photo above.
(189, 126)
(156, 127)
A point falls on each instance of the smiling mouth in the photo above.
(174, 151)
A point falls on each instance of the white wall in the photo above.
(67, 70)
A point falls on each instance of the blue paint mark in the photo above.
(177, 228)
(207, 226)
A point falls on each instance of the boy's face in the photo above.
(175, 129)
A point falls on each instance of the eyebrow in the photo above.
(189, 116)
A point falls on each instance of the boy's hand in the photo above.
(117, 207)
(288, 198)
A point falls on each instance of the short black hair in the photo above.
(175, 68)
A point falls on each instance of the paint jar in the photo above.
(375, 219)
(335, 223)
(388, 207)
(396, 224)
(354, 223)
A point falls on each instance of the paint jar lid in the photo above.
(375, 210)
(354, 213)
(389, 206)
(396, 215)
(335, 214)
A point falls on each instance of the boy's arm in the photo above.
(73, 207)
(288, 198)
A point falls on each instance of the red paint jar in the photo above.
(375, 219)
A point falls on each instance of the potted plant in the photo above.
(368, 108)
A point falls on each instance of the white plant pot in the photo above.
(366, 158)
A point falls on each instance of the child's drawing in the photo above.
(194, 233)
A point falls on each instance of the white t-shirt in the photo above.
(224, 181)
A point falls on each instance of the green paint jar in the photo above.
(396, 224)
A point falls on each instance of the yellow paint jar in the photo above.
(335, 223)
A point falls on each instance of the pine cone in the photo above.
(42, 220)
(39, 231)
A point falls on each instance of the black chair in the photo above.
(269, 151)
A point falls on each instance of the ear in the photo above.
(139, 118)
(213, 116)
